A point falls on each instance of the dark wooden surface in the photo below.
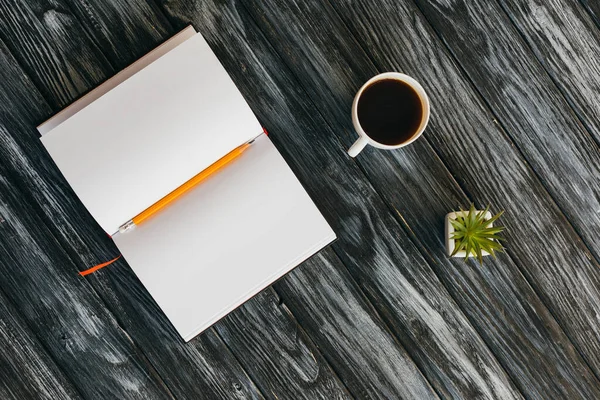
(383, 313)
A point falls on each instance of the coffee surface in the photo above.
(390, 111)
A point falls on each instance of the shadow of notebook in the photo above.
(151, 128)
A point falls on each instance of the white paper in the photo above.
(152, 133)
(226, 240)
(115, 80)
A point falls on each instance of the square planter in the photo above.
(451, 243)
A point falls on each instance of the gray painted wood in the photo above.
(593, 7)
(555, 144)
(58, 58)
(203, 369)
(61, 309)
(68, 46)
(277, 353)
(122, 30)
(26, 370)
(390, 269)
(498, 299)
(566, 42)
(336, 315)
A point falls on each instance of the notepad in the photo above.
(148, 130)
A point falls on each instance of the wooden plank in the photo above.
(498, 299)
(204, 368)
(566, 42)
(554, 143)
(122, 30)
(45, 30)
(418, 383)
(371, 243)
(71, 322)
(277, 353)
(593, 7)
(372, 382)
(26, 370)
(336, 315)
(61, 309)
(201, 369)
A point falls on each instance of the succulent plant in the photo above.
(473, 233)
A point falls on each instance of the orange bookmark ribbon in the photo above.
(99, 266)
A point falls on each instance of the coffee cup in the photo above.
(391, 110)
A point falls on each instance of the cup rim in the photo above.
(424, 103)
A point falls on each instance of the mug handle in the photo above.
(358, 146)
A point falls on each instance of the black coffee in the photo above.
(390, 111)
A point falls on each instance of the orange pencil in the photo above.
(181, 190)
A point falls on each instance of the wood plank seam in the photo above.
(44, 218)
(235, 356)
(376, 312)
(373, 310)
(99, 294)
(33, 337)
(393, 212)
(527, 281)
(297, 293)
(315, 348)
(588, 251)
(558, 87)
(73, 257)
(340, 255)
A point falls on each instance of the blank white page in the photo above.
(226, 240)
(115, 80)
(151, 133)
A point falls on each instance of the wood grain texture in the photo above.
(277, 353)
(390, 270)
(122, 30)
(554, 143)
(205, 369)
(62, 310)
(26, 370)
(202, 369)
(336, 315)
(566, 42)
(498, 300)
(66, 316)
(61, 59)
(407, 369)
(593, 8)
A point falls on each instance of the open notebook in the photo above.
(149, 129)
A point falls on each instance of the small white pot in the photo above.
(451, 243)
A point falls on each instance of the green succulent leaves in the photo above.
(474, 234)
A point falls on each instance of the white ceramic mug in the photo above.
(364, 139)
